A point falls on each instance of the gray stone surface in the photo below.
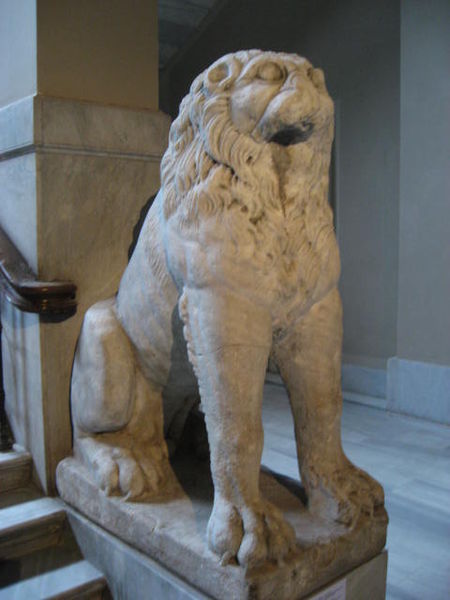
(172, 531)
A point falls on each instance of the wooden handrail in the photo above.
(21, 287)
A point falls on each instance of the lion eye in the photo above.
(270, 71)
(218, 73)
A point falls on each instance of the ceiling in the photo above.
(178, 22)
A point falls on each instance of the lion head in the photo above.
(248, 118)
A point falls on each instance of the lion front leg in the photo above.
(309, 360)
(229, 341)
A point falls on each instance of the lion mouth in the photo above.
(293, 134)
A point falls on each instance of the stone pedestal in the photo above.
(171, 531)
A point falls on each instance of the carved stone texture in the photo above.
(236, 263)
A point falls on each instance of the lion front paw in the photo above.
(345, 494)
(249, 534)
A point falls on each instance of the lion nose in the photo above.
(286, 119)
(293, 134)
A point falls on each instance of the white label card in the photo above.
(335, 592)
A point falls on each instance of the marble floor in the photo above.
(411, 458)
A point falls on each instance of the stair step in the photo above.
(19, 495)
(15, 470)
(41, 561)
(79, 580)
(30, 526)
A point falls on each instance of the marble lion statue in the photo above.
(236, 263)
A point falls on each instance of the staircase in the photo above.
(39, 556)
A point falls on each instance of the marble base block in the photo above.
(171, 531)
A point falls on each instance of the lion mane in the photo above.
(212, 169)
(209, 165)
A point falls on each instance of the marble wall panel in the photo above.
(21, 357)
(420, 389)
(364, 380)
(84, 126)
(16, 125)
(18, 204)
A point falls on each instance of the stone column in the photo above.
(81, 140)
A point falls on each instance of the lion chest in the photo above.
(293, 251)
(284, 264)
(299, 265)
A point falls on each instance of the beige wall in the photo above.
(102, 51)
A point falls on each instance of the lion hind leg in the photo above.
(117, 413)
(103, 377)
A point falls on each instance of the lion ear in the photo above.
(221, 75)
(218, 73)
(318, 78)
